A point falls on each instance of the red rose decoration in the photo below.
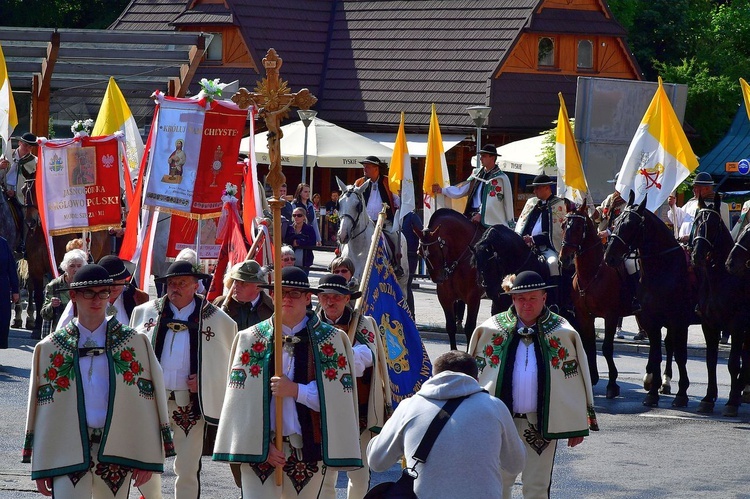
(254, 370)
(492, 194)
(327, 349)
(494, 181)
(52, 373)
(63, 382)
(330, 373)
(488, 350)
(561, 353)
(495, 359)
(341, 361)
(58, 360)
(126, 355)
(245, 358)
(135, 367)
(258, 347)
(498, 340)
(555, 361)
(553, 343)
(128, 376)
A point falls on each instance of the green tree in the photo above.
(90, 14)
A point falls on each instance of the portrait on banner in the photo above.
(82, 166)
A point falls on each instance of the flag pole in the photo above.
(367, 272)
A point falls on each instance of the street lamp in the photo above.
(479, 115)
(307, 116)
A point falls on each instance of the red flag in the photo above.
(233, 250)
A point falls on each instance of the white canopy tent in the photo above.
(523, 156)
(328, 146)
(416, 143)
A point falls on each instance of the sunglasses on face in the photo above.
(90, 294)
(294, 294)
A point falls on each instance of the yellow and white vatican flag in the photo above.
(114, 115)
(571, 181)
(400, 178)
(8, 115)
(746, 95)
(659, 157)
(435, 170)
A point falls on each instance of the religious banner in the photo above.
(193, 155)
(184, 230)
(408, 363)
(78, 183)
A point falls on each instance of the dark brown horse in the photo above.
(722, 301)
(664, 291)
(444, 245)
(738, 261)
(597, 288)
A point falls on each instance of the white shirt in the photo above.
(306, 394)
(374, 203)
(525, 374)
(94, 375)
(11, 177)
(175, 356)
(361, 353)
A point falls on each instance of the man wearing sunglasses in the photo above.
(191, 338)
(97, 402)
(319, 415)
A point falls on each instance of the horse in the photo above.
(356, 231)
(445, 246)
(36, 262)
(664, 291)
(500, 252)
(738, 261)
(721, 305)
(597, 288)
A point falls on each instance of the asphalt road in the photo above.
(640, 452)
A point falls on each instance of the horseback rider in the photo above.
(605, 216)
(376, 175)
(541, 224)
(703, 187)
(20, 172)
(489, 196)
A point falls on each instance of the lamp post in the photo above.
(479, 115)
(307, 116)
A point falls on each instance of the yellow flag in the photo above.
(400, 178)
(569, 166)
(435, 169)
(746, 95)
(114, 115)
(8, 115)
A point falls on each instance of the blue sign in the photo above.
(743, 166)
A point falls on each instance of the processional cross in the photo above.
(273, 99)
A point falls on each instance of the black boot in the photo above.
(632, 284)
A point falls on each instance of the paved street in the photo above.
(639, 453)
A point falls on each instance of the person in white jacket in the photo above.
(477, 443)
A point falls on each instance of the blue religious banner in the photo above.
(408, 363)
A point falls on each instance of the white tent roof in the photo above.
(522, 156)
(416, 143)
(328, 146)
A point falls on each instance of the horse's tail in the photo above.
(23, 269)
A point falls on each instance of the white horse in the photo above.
(356, 231)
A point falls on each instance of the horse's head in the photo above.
(627, 233)
(351, 212)
(487, 260)
(708, 236)
(738, 262)
(574, 234)
(432, 250)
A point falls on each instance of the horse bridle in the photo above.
(355, 221)
(746, 230)
(578, 246)
(701, 221)
(449, 268)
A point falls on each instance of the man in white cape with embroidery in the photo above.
(320, 427)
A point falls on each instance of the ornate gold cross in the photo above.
(273, 99)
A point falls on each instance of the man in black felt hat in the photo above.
(20, 173)
(703, 187)
(97, 413)
(534, 361)
(376, 192)
(541, 223)
(192, 339)
(489, 196)
(370, 369)
(318, 397)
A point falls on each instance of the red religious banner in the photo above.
(78, 184)
(184, 230)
